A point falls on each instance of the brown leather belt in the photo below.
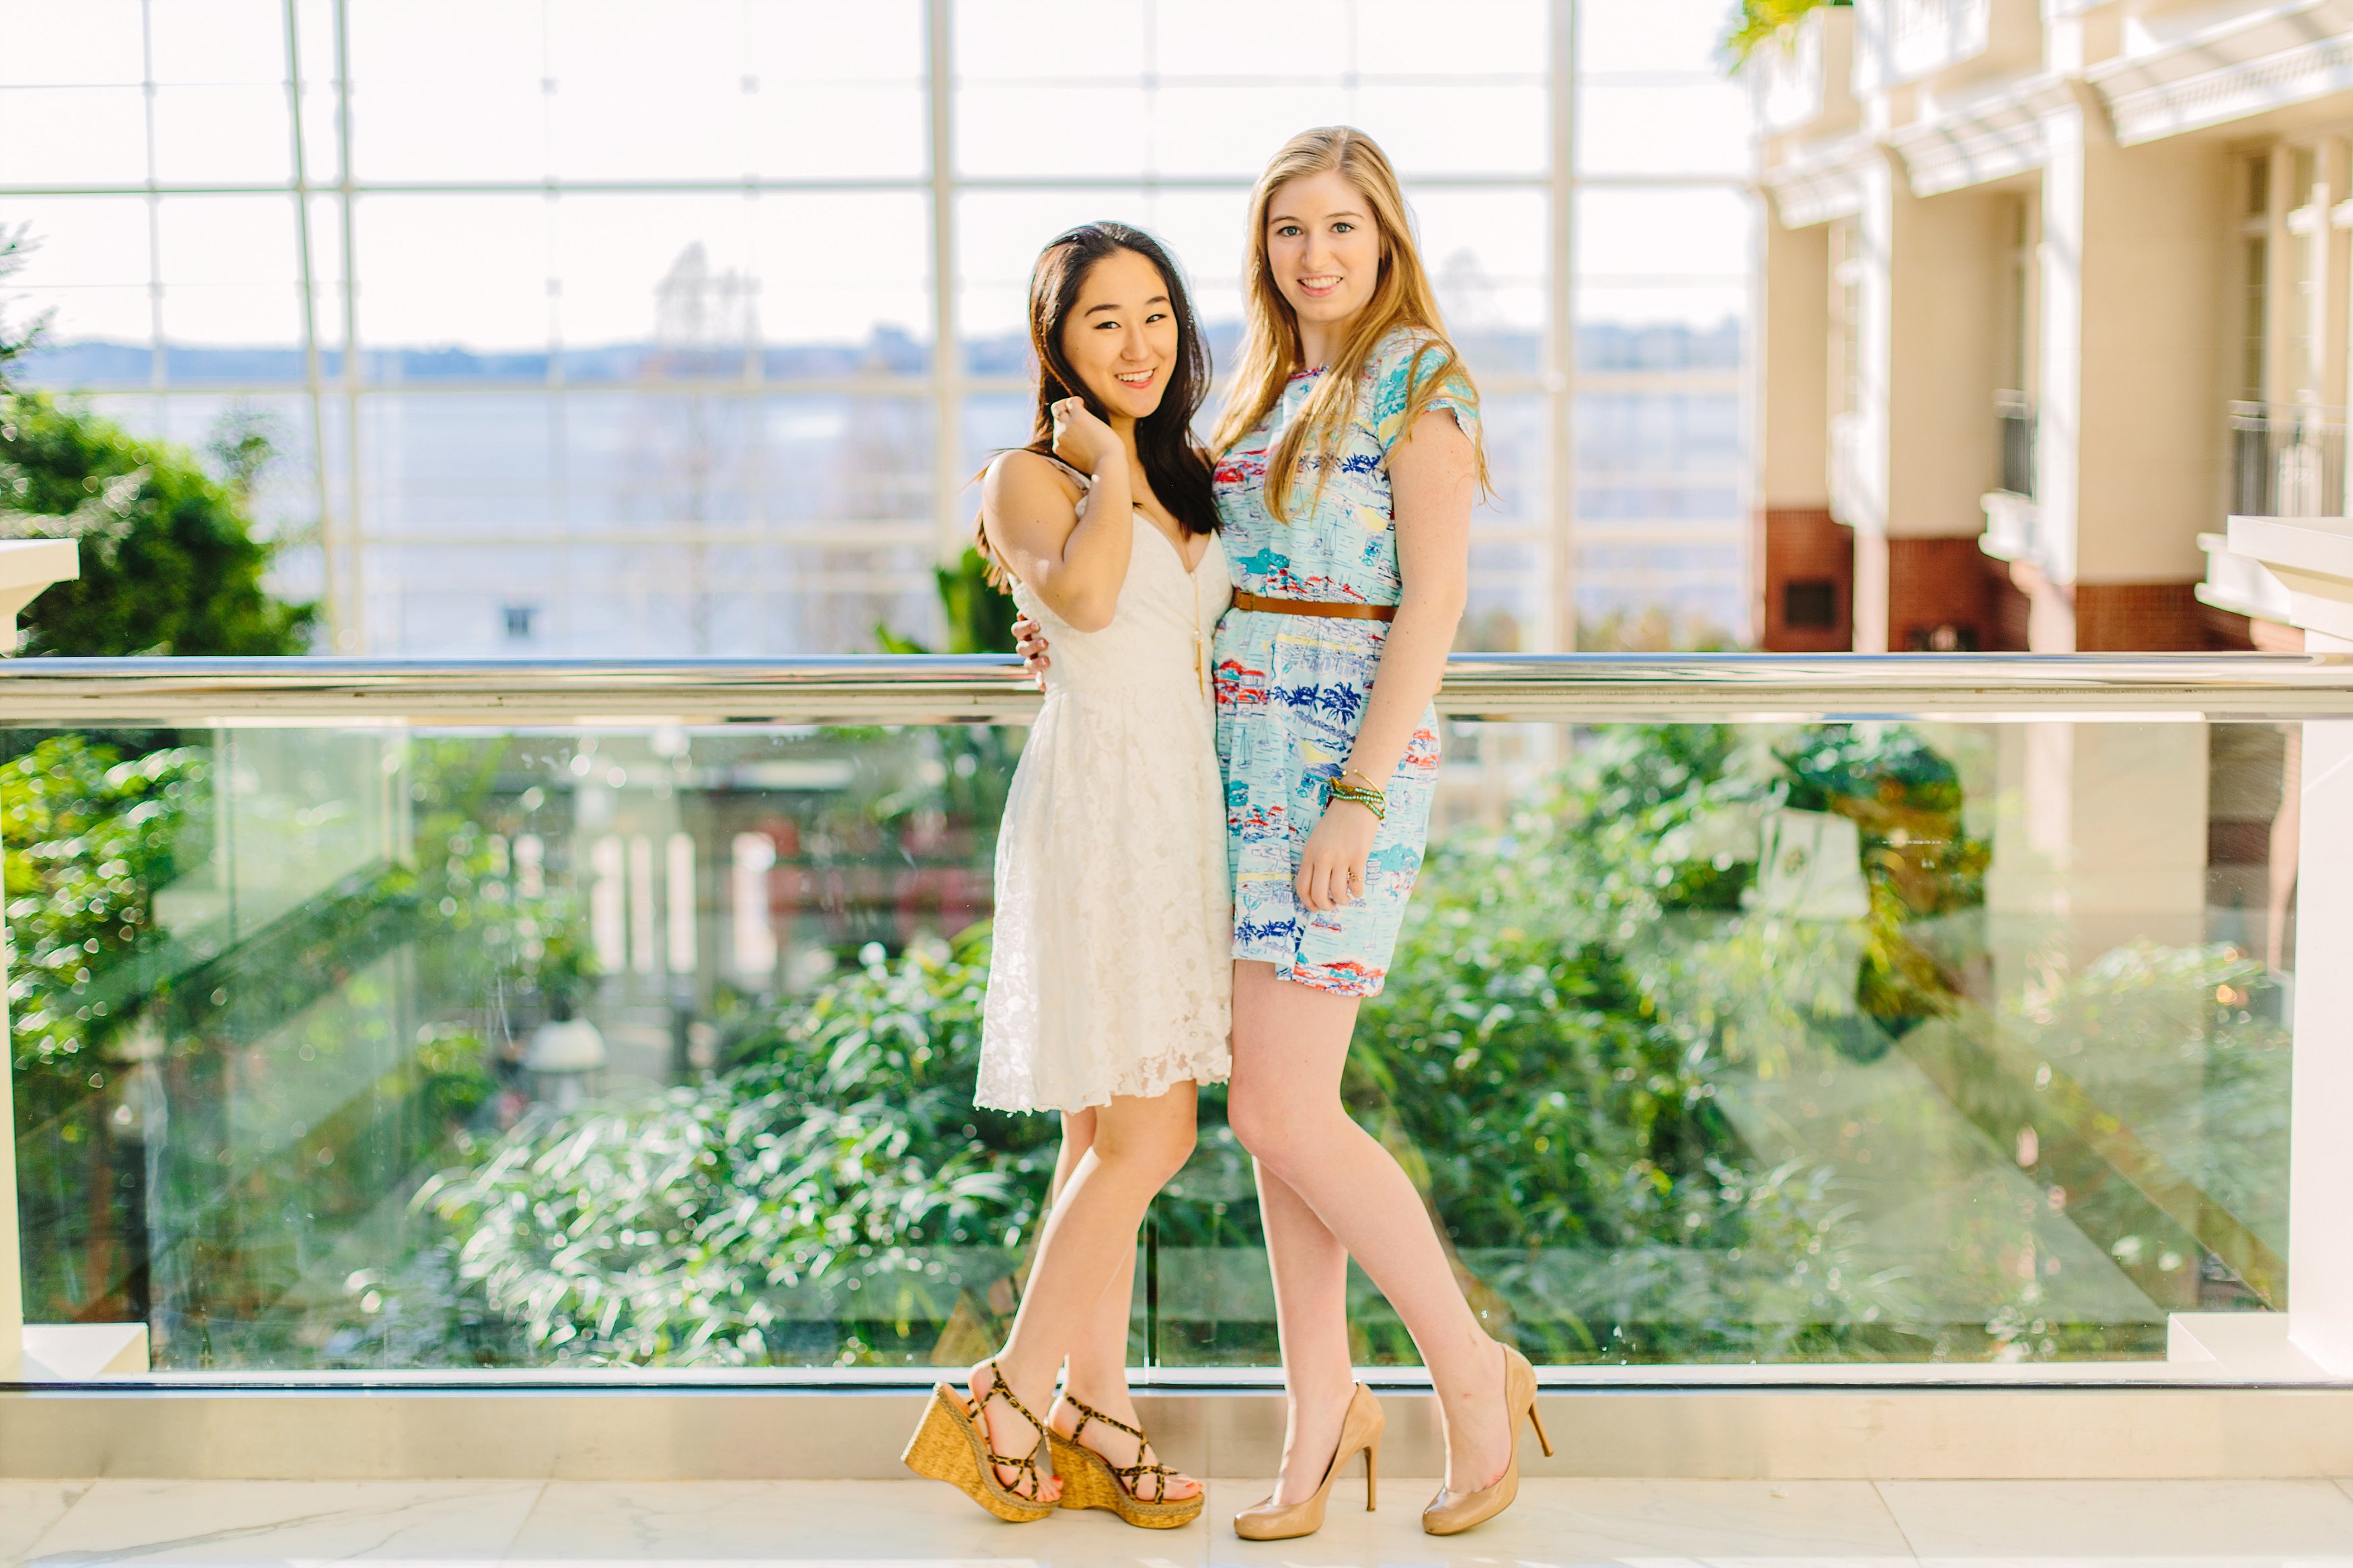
(1341, 609)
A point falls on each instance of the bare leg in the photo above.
(1289, 1043)
(1090, 1236)
(1096, 1371)
(1311, 1312)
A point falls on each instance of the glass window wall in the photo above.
(546, 293)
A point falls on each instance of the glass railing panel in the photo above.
(390, 1046)
(1910, 1041)
(401, 1046)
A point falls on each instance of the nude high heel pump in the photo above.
(1453, 1515)
(1361, 1428)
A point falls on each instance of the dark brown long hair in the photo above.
(1176, 466)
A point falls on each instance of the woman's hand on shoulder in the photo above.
(1080, 439)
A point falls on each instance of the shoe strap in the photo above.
(1130, 1475)
(1026, 1463)
(1089, 1413)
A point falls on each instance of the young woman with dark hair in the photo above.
(1109, 986)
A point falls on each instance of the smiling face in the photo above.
(1121, 337)
(1322, 246)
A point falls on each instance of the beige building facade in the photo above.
(2052, 290)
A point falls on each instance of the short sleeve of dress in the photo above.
(1409, 363)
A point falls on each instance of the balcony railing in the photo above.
(1824, 1011)
(2286, 460)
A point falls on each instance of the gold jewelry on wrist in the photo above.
(1370, 781)
(1372, 800)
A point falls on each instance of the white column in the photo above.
(2320, 1159)
(752, 944)
(2130, 446)
(2314, 557)
(27, 566)
(679, 886)
(644, 955)
(1927, 335)
(608, 921)
(1793, 366)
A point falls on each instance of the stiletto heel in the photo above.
(1449, 1515)
(952, 1445)
(1360, 1428)
(1090, 1480)
(1536, 1421)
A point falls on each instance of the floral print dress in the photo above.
(1291, 689)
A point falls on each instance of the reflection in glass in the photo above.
(1902, 1040)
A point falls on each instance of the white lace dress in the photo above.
(1111, 971)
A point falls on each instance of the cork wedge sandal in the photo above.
(1090, 1480)
(952, 1445)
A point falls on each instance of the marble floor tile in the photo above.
(27, 1509)
(2305, 1521)
(437, 1522)
(1582, 1522)
(874, 1524)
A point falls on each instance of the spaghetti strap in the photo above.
(1085, 481)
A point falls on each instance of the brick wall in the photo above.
(2138, 617)
(1940, 596)
(1801, 548)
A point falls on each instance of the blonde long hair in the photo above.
(1402, 296)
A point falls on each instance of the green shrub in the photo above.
(169, 561)
(830, 1198)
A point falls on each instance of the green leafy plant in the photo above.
(1756, 23)
(169, 560)
(90, 837)
(15, 341)
(833, 1197)
(980, 616)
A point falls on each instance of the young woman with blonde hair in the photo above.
(1349, 459)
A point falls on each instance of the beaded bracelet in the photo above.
(1371, 799)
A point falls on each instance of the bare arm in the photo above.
(1432, 487)
(1432, 483)
(1074, 556)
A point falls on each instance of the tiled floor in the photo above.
(1650, 1524)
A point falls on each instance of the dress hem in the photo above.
(1146, 1092)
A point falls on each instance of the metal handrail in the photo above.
(991, 689)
